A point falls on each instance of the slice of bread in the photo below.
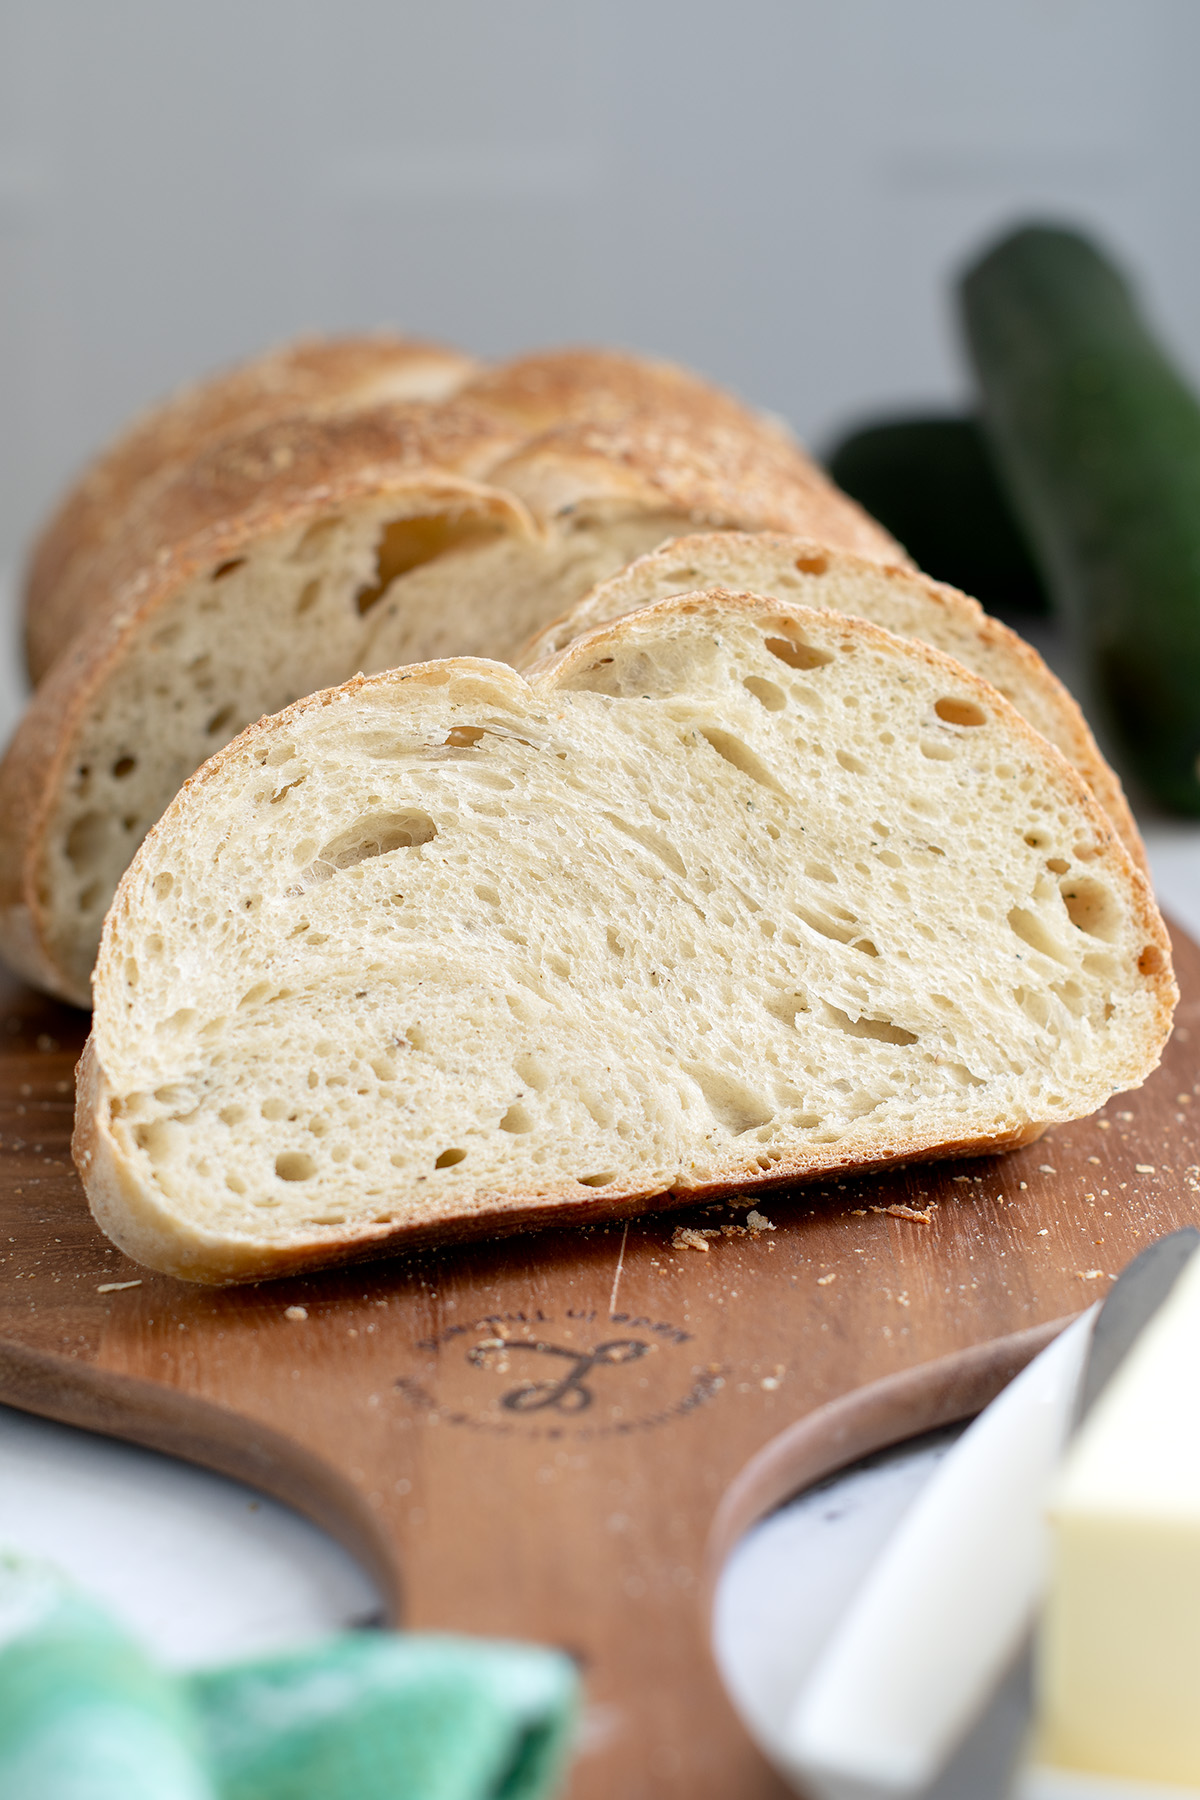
(729, 893)
(319, 377)
(278, 562)
(911, 604)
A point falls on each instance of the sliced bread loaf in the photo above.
(911, 604)
(730, 892)
(275, 563)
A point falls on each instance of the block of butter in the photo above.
(1119, 1653)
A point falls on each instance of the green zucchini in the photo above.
(932, 483)
(1097, 438)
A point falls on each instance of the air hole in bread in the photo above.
(1071, 995)
(1034, 1006)
(936, 751)
(295, 1165)
(1151, 961)
(649, 840)
(407, 543)
(1034, 931)
(882, 1030)
(533, 1071)
(842, 931)
(377, 835)
(274, 1108)
(738, 1108)
(218, 721)
(1092, 907)
(227, 568)
(517, 1119)
(815, 564)
(740, 756)
(124, 765)
(309, 595)
(597, 1180)
(959, 712)
(1057, 865)
(465, 737)
(89, 895)
(784, 1007)
(766, 692)
(85, 840)
(283, 792)
(450, 1158)
(796, 653)
(154, 1139)
(613, 940)
(488, 894)
(854, 765)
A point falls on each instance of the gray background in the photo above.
(776, 191)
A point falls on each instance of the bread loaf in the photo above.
(274, 563)
(904, 601)
(729, 893)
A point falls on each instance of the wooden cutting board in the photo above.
(558, 1436)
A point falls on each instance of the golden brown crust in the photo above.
(609, 427)
(314, 376)
(606, 387)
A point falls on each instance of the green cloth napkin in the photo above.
(85, 1714)
(381, 1716)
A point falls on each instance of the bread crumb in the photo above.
(757, 1221)
(116, 1287)
(1091, 1275)
(824, 1280)
(906, 1212)
(1145, 1168)
(296, 1312)
(1047, 1169)
(688, 1239)
(770, 1383)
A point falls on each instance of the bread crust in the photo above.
(317, 377)
(149, 1232)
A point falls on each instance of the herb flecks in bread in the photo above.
(728, 893)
